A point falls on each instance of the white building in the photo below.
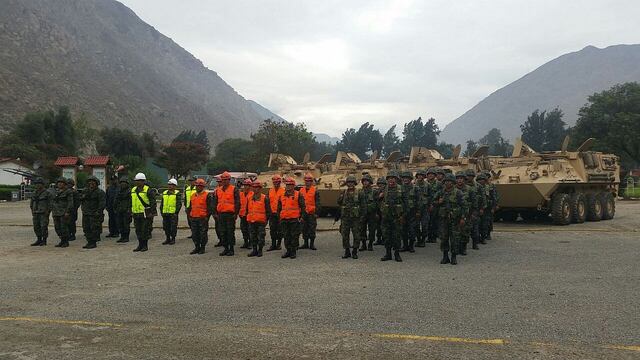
(7, 178)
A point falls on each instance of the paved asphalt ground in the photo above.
(534, 292)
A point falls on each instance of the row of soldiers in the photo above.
(403, 213)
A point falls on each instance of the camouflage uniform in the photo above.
(381, 186)
(257, 230)
(410, 222)
(350, 219)
(368, 202)
(392, 206)
(227, 222)
(74, 212)
(310, 224)
(122, 209)
(465, 231)
(291, 228)
(452, 208)
(494, 198)
(423, 202)
(62, 208)
(93, 204)
(477, 204)
(40, 209)
(485, 218)
(434, 187)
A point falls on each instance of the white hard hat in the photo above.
(140, 176)
(173, 182)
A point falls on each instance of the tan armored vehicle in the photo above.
(569, 186)
(422, 158)
(286, 166)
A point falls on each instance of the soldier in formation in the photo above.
(310, 213)
(93, 203)
(112, 194)
(226, 206)
(73, 219)
(170, 205)
(274, 221)
(122, 209)
(410, 219)
(434, 186)
(189, 189)
(62, 210)
(245, 194)
(350, 218)
(199, 212)
(469, 195)
(143, 210)
(452, 208)
(368, 202)
(392, 206)
(40, 209)
(258, 213)
(423, 203)
(381, 185)
(487, 213)
(477, 206)
(290, 206)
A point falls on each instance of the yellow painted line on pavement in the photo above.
(441, 338)
(63, 322)
(623, 347)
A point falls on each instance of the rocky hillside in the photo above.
(98, 57)
(565, 82)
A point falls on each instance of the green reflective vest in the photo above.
(136, 204)
(188, 191)
(169, 202)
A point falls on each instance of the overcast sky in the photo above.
(334, 64)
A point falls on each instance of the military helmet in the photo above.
(93, 178)
(431, 171)
(191, 178)
(61, 180)
(470, 172)
(440, 171)
(481, 177)
(421, 172)
(449, 177)
(367, 177)
(351, 178)
(381, 180)
(460, 174)
(407, 174)
(392, 173)
(71, 182)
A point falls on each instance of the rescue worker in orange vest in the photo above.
(274, 222)
(199, 215)
(290, 206)
(215, 219)
(258, 211)
(226, 206)
(188, 191)
(245, 194)
(310, 213)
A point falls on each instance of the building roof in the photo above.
(67, 161)
(98, 160)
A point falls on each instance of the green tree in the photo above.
(180, 158)
(235, 155)
(544, 131)
(119, 143)
(419, 133)
(190, 136)
(85, 134)
(445, 149)
(390, 141)
(497, 144)
(472, 146)
(282, 137)
(362, 142)
(612, 117)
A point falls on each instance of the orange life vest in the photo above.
(290, 206)
(243, 202)
(226, 202)
(309, 199)
(199, 205)
(273, 198)
(256, 209)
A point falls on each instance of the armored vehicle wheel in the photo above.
(578, 208)
(608, 206)
(594, 207)
(508, 216)
(561, 209)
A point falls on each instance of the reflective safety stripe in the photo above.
(136, 204)
(169, 202)
(290, 206)
(309, 199)
(257, 211)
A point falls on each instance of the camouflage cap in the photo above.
(460, 174)
(449, 177)
(470, 172)
(421, 172)
(481, 177)
(71, 182)
(61, 180)
(440, 171)
(431, 171)
(351, 179)
(393, 174)
(367, 177)
(407, 174)
(124, 179)
(93, 178)
(381, 180)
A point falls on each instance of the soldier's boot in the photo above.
(293, 254)
(38, 242)
(354, 254)
(167, 241)
(489, 236)
(305, 245)
(387, 255)
(225, 251)
(405, 245)
(396, 255)
(123, 240)
(463, 249)
(370, 247)
(286, 254)
(273, 245)
(453, 259)
(279, 244)
(202, 249)
(230, 252)
(72, 237)
(144, 246)
(90, 245)
(44, 241)
(254, 252)
(475, 245)
(445, 258)
(218, 244)
(421, 241)
(245, 245)
(195, 250)
(259, 254)
(363, 246)
(411, 248)
(172, 241)
(311, 244)
(347, 254)
(139, 246)
(483, 241)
